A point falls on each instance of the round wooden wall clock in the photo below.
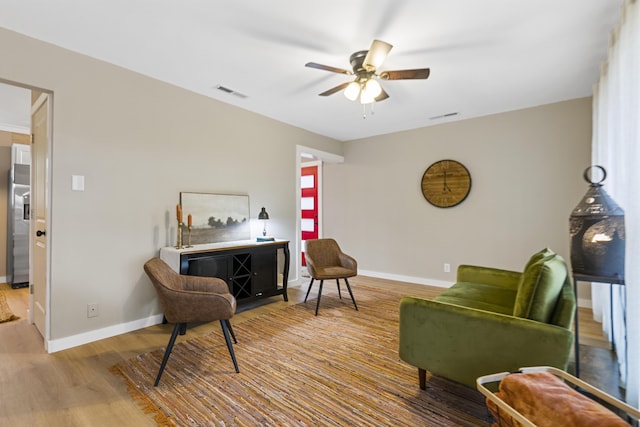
(446, 183)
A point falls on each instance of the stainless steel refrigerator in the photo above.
(18, 225)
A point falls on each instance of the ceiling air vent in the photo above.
(443, 116)
(231, 91)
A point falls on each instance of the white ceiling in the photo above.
(485, 56)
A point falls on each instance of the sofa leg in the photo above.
(422, 378)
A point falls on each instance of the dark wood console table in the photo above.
(251, 269)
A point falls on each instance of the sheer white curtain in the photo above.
(616, 146)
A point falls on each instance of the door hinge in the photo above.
(32, 138)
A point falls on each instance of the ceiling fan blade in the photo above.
(383, 95)
(327, 68)
(376, 55)
(420, 73)
(334, 89)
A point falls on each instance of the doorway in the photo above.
(310, 204)
(306, 156)
(34, 116)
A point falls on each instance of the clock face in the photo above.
(446, 183)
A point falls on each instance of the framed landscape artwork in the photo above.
(216, 217)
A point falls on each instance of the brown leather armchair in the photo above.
(325, 260)
(190, 299)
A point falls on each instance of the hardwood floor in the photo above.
(75, 388)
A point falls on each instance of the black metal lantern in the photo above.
(597, 233)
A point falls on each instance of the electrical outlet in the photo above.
(92, 310)
(447, 267)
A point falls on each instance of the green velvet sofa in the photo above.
(491, 321)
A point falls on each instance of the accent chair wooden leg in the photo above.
(309, 290)
(422, 378)
(338, 283)
(225, 331)
(319, 295)
(167, 352)
(351, 293)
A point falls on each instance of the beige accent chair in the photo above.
(191, 299)
(325, 260)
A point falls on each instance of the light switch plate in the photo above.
(77, 182)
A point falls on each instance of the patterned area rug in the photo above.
(340, 368)
(5, 312)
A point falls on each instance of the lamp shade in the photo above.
(597, 233)
(263, 214)
(352, 91)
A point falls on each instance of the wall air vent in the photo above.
(231, 91)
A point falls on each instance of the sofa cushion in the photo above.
(544, 253)
(539, 288)
(480, 296)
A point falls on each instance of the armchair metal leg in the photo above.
(351, 293)
(228, 322)
(225, 331)
(338, 283)
(309, 290)
(319, 295)
(167, 352)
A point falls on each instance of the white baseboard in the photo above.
(584, 302)
(3, 279)
(99, 334)
(122, 328)
(408, 279)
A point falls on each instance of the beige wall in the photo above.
(526, 168)
(139, 142)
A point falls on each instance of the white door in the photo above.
(39, 306)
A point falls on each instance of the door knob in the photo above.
(40, 233)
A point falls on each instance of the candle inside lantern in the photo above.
(189, 220)
(179, 213)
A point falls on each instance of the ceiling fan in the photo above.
(365, 64)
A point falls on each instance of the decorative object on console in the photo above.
(179, 218)
(264, 216)
(446, 183)
(217, 217)
(189, 225)
(597, 232)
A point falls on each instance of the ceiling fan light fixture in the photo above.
(373, 87)
(366, 98)
(352, 91)
(370, 89)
